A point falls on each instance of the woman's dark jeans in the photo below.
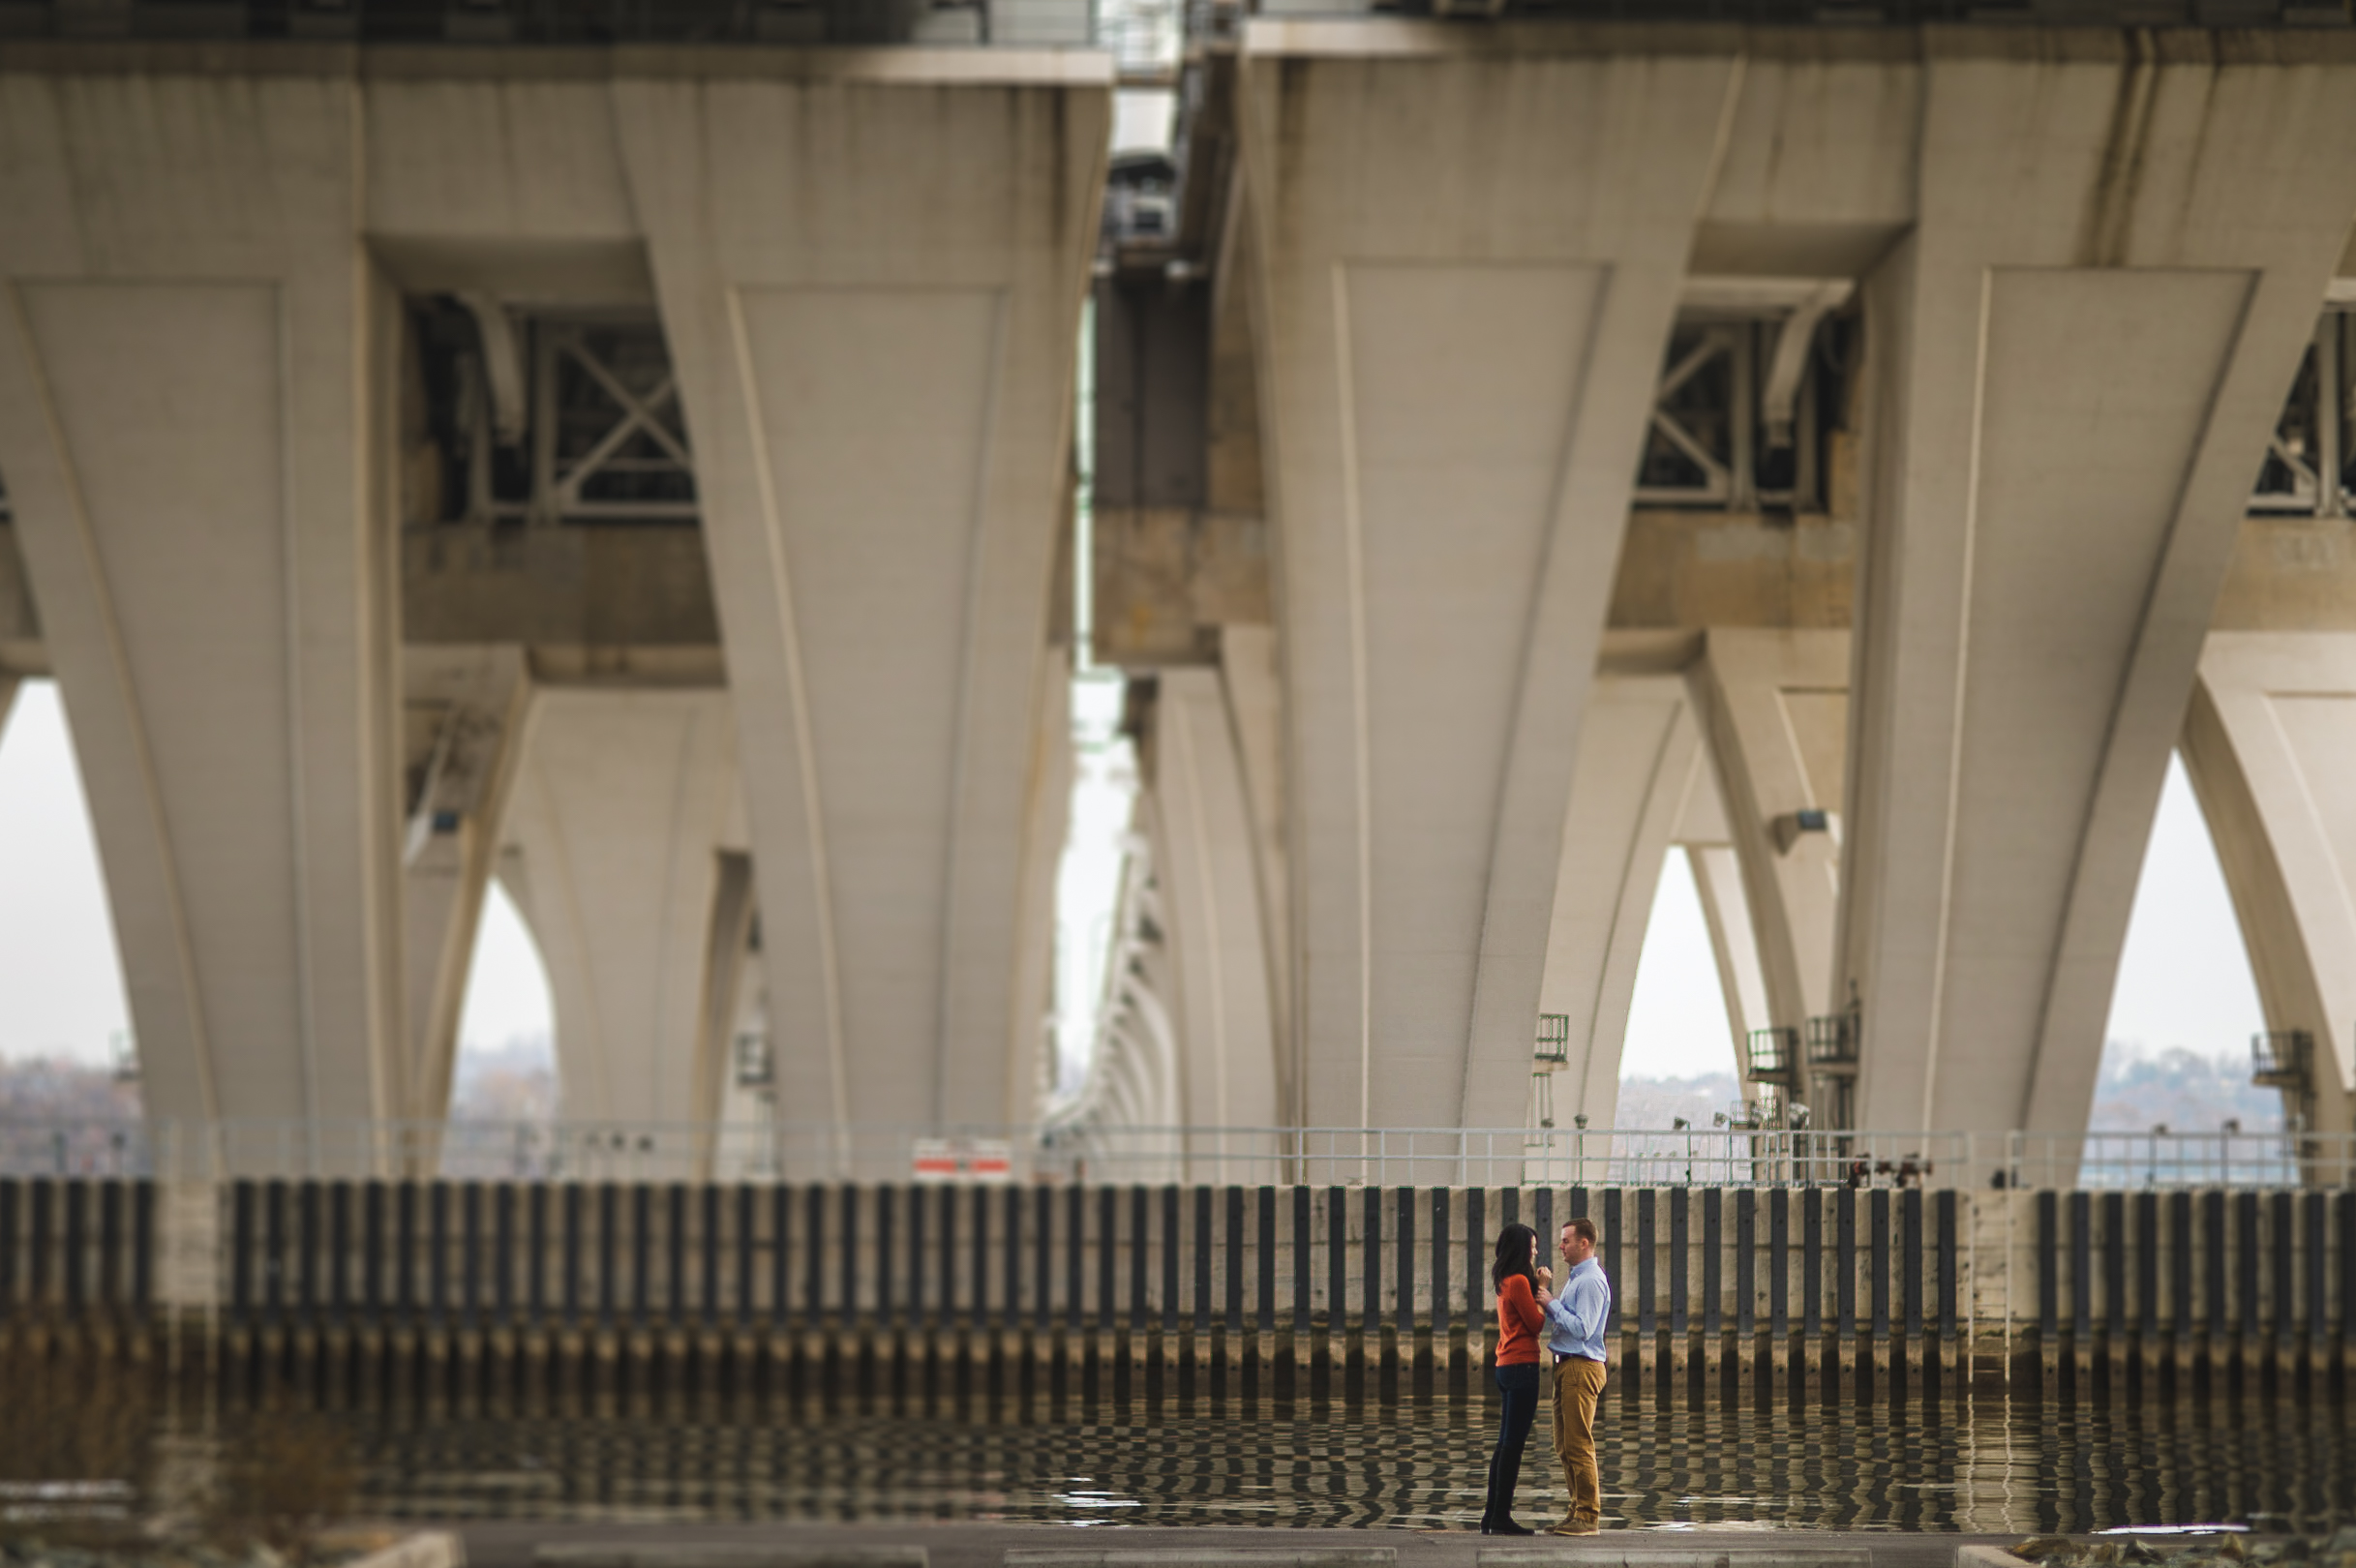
(1520, 1386)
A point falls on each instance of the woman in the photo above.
(1520, 1325)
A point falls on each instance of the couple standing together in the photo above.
(1570, 1325)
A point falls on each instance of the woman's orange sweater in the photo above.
(1519, 1322)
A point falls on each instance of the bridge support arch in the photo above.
(1225, 1019)
(877, 371)
(2075, 370)
(196, 455)
(2269, 747)
(1640, 766)
(1457, 359)
(616, 848)
(471, 703)
(1776, 704)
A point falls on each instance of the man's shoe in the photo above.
(1574, 1526)
(1508, 1527)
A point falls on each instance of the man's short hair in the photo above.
(1584, 1229)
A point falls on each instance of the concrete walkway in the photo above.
(513, 1544)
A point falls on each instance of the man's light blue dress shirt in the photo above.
(1575, 1319)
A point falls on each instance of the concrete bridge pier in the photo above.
(1640, 766)
(1776, 707)
(1455, 364)
(2269, 746)
(1136, 1079)
(2079, 350)
(1046, 824)
(190, 340)
(466, 710)
(623, 848)
(877, 369)
(1733, 940)
(1205, 864)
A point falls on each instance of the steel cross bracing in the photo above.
(558, 419)
(2307, 472)
(1736, 425)
(1743, 405)
(1737, 417)
(609, 439)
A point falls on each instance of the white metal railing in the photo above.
(1384, 1156)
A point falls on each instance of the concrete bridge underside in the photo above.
(208, 437)
(1428, 682)
(1911, 736)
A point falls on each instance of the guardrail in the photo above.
(1723, 1156)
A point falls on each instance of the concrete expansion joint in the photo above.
(726, 1554)
(1207, 1557)
(1630, 1549)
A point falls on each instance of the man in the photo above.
(1575, 1322)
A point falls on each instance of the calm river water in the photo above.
(1989, 1465)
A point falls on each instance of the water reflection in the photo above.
(1986, 1466)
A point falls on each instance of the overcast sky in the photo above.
(61, 987)
(2185, 979)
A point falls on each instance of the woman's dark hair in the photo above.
(1516, 1248)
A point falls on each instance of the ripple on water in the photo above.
(1984, 1467)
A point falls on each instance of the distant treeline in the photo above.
(2138, 1090)
(517, 1082)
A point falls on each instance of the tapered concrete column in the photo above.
(190, 337)
(870, 268)
(1134, 1077)
(1254, 684)
(747, 1147)
(1140, 1065)
(1046, 816)
(1643, 788)
(2270, 745)
(1139, 1023)
(2079, 352)
(622, 806)
(727, 957)
(1776, 705)
(1640, 766)
(472, 703)
(1467, 261)
(732, 983)
(1734, 942)
(1189, 1019)
(1226, 1055)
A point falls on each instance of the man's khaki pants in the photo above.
(1577, 1385)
